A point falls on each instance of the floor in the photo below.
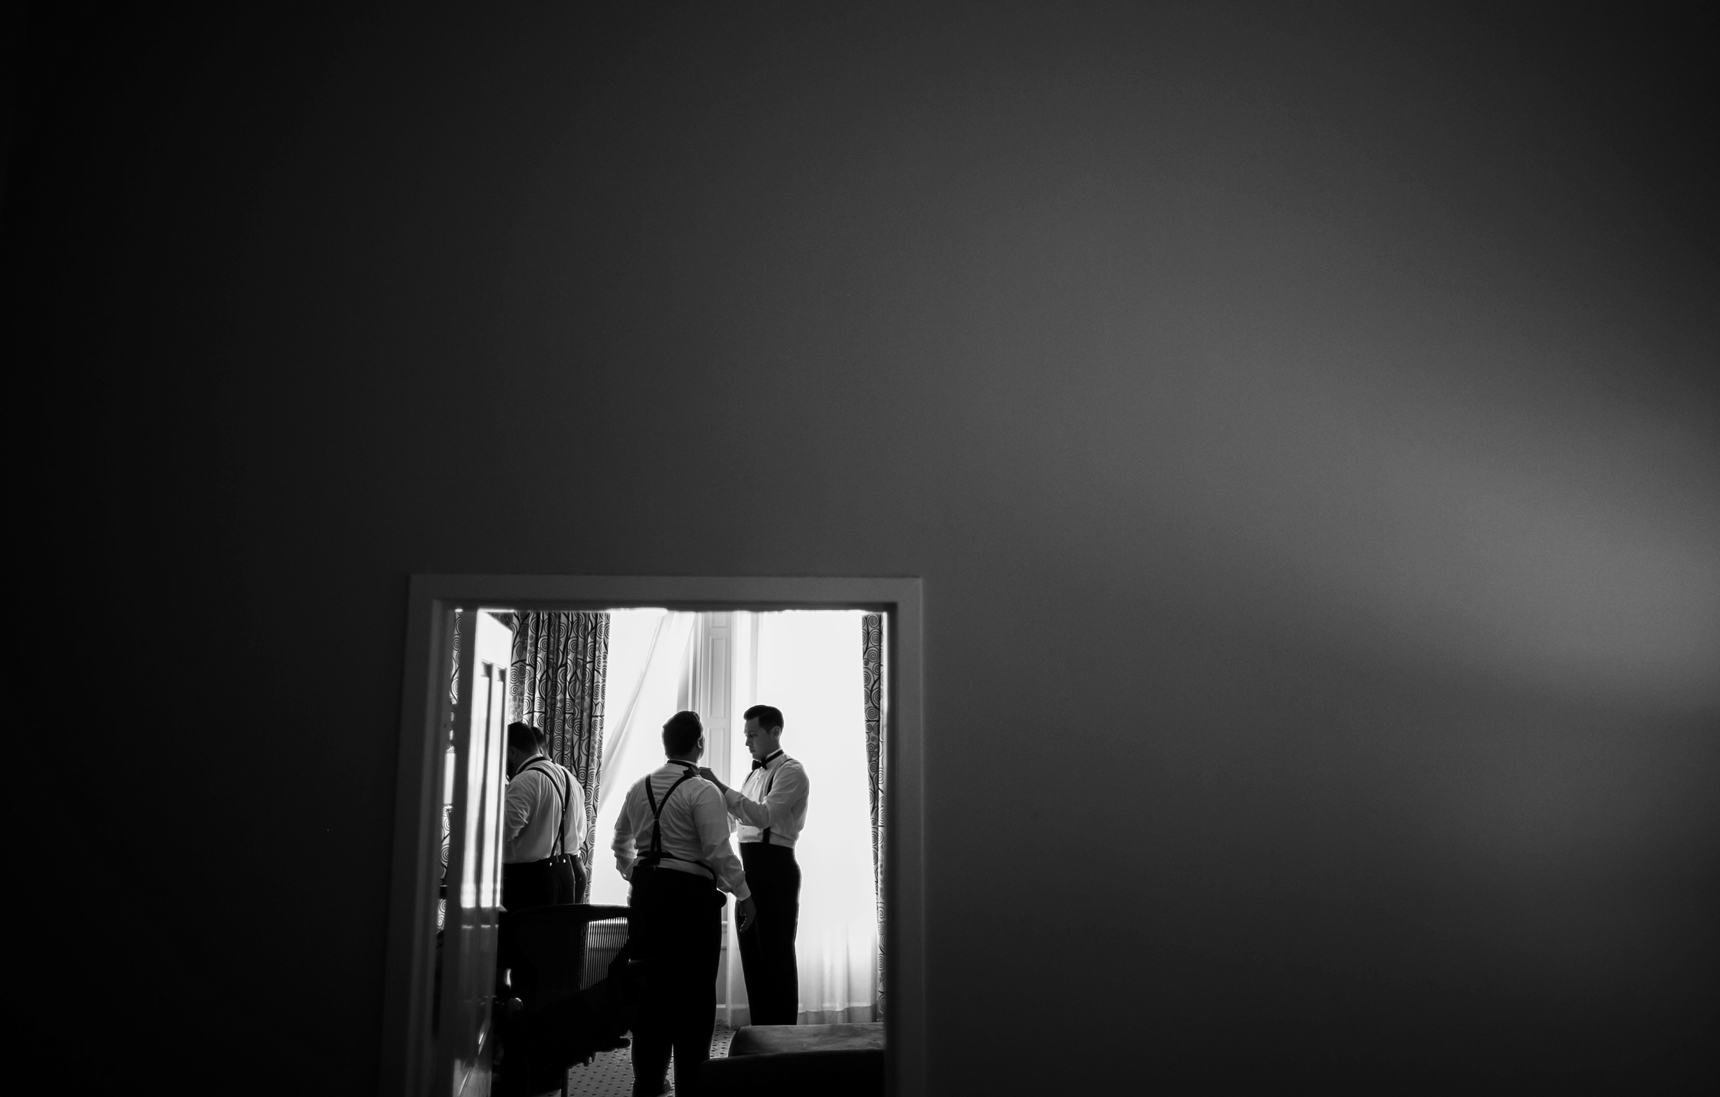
(611, 1074)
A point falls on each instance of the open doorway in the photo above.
(838, 657)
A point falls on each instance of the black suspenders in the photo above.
(561, 824)
(770, 783)
(655, 854)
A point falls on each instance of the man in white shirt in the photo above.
(672, 845)
(771, 808)
(543, 827)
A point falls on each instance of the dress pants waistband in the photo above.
(695, 872)
(761, 849)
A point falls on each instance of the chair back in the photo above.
(544, 949)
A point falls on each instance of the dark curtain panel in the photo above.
(454, 675)
(872, 654)
(556, 684)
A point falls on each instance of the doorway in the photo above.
(449, 767)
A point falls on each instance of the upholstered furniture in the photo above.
(810, 1060)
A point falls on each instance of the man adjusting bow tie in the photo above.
(771, 809)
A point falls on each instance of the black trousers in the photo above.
(543, 883)
(675, 921)
(767, 949)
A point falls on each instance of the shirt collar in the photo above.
(769, 758)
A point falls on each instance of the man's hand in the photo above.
(712, 778)
(745, 912)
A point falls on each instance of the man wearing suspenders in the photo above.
(672, 845)
(771, 807)
(545, 822)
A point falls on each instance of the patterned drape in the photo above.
(454, 676)
(556, 684)
(872, 656)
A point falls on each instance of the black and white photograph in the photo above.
(748, 548)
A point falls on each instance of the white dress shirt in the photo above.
(534, 808)
(772, 797)
(695, 829)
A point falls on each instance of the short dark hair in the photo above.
(524, 737)
(681, 733)
(768, 716)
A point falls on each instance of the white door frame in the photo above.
(407, 1051)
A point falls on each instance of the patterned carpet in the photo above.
(611, 1074)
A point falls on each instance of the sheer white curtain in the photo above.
(647, 653)
(807, 663)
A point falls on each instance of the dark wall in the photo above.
(1301, 422)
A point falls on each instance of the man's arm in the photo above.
(623, 843)
(521, 802)
(574, 826)
(712, 824)
(789, 788)
(710, 776)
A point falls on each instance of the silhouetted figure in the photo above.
(771, 807)
(672, 845)
(544, 823)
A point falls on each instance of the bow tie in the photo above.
(758, 764)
